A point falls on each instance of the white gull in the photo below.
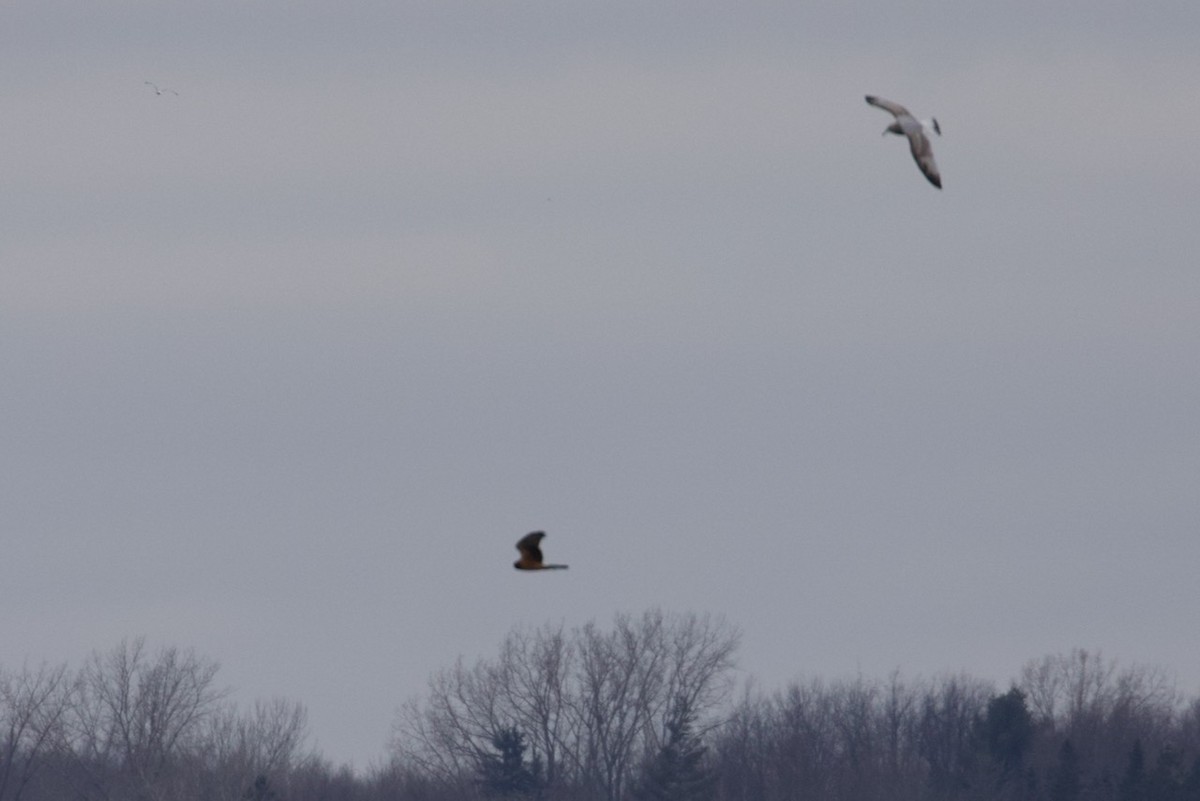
(908, 125)
(159, 91)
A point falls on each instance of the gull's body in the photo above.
(159, 91)
(917, 132)
(531, 553)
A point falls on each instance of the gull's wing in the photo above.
(922, 153)
(528, 546)
(895, 109)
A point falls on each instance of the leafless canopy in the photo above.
(593, 701)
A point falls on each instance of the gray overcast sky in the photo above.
(291, 360)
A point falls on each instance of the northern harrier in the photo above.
(159, 91)
(908, 125)
(531, 553)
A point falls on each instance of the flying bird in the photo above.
(908, 125)
(531, 553)
(159, 91)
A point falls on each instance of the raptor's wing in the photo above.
(530, 548)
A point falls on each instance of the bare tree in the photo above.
(742, 747)
(945, 736)
(700, 656)
(535, 669)
(621, 677)
(33, 707)
(857, 716)
(267, 740)
(1071, 690)
(592, 703)
(139, 712)
(804, 753)
(638, 682)
(273, 733)
(1101, 708)
(448, 735)
(899, 736)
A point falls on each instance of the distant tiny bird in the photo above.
(908, 125)
(531, 553)
(159, 91)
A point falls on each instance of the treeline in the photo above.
(1073, 728)
(643, 709)
(132, 724)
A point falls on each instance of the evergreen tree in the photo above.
(1066, 784)
(1133, 783)
(1166, 781)
(677, 772)
(260, 790)
(506, 774)
(1190, 791)
(1008, 731)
